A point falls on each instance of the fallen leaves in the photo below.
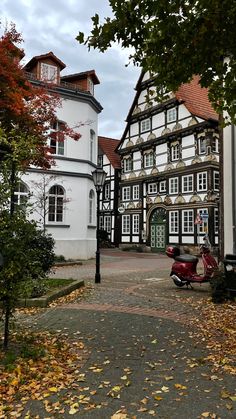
(42, 364)
(214, 325)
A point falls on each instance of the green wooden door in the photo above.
(158, 231)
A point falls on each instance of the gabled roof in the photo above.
(37, 58)
(108, 146)
(82, 75)
(196, 99)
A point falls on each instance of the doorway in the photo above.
(158, 230)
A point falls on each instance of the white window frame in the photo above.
(100, 222)
(203, 228)
(171, 115)
(216, 220)
(107, 191)
(56, 199)
(92, 145)
(175, 152)
(135, 223)
(216, 180)
(57, 147)
(173, 222)
(91, 219)
(107, 223)
(215, 145)
(152, 188)
(149, 160)
(135, 192)
(187, 221)
(187, 183)
(126, 196)
(162, 186)
(174, 185)
(21, 194)
(128, 164)
(100, 160)
(202, 145)
(48, 72)
(90, 86)
(125, 224)
(145, 125)
(202, 181)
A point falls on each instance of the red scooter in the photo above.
(183, 271)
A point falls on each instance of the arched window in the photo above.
(56, 197)
(91, 207)
(21, 194)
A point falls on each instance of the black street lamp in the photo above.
(99, 176)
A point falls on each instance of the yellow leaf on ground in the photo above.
(53, 389)
(180, 387)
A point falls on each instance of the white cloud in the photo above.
(52, 25)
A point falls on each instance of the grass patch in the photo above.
(53, 283)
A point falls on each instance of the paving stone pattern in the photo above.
(135, 325)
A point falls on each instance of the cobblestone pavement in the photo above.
(134, 325)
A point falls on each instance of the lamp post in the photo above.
(99, 176)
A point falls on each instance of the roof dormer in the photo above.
(45, 67)
(85, 80)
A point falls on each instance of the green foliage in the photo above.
(175, 40)
(27, 254)
(59, 258)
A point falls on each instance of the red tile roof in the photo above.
(196, 99)
(108, 146)
(82, 75)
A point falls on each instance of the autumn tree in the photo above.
(26, 114)
(175, 40)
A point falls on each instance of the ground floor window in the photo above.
(188, 222)
(56, 199)
(91, 207)
(107, 223)
(126, 224)
(174, 222)
(21, 194)
(216, 220)
(135, 223)
(203, 228)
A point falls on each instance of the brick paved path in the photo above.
(141, 360)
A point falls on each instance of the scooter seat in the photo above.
(186, 258)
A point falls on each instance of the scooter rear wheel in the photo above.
(178, 283)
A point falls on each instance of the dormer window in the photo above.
(48, 73)
(90, 86)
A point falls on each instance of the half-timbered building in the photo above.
(170, 168)
(109, 160)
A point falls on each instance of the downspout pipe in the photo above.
(233, 149)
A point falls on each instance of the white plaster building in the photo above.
(170, 168)
(70, 197)
(229, 180)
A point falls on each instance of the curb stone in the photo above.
(45, 300)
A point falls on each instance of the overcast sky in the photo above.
(52, 25)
